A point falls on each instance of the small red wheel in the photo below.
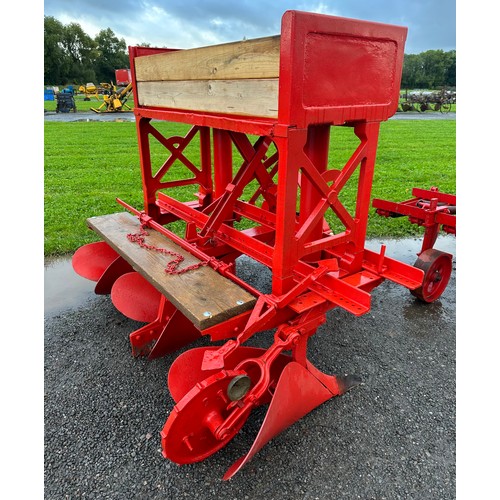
(437, 267)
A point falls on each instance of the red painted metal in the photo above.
(99, 262)
(268, 189)
(187, 370)
(191, 431)
(116, 269)
(297, 393)
(135, 297)
(437, 267)
(431, 209)
(92, 260)
(177, 332)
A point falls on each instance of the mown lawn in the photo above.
(89, 164)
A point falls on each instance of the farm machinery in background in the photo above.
(123, 79)
(115, 101)
(89, 90)
(256, 156)
(115, 97)
(422, 101)
(65, 100)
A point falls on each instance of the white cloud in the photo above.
(321, 8)
(194, 23)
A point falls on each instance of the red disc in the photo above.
(188, 435)
(186, 371)
(90, 261)
(135, 297)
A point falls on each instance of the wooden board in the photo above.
(257, 58)
(241, 97)
(193, 293)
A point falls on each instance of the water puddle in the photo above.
(65, 290)
(406, 249)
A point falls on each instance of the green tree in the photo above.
(111, 55)
(411, 69)
(56, 62)
(451, 69)
(81, 50)
(431, 69)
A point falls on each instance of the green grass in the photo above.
(89, 164)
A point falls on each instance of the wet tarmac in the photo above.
(392, 437)
(65, 290)
(90, 116)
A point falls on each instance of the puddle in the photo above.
(415, 115)
(406, 249)
(65, 290)
(89, 117)
(116, 120)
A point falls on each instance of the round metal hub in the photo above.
(189, 434)
(238, 387)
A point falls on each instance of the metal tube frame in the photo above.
(283, 188)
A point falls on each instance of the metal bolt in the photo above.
(207, 314)
(240, 302)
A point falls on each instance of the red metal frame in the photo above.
(430, 209)
(265, 188)
(286, 162)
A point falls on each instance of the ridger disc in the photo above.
(91, 260)
(135, 297)
(186, 371)
(189, 432)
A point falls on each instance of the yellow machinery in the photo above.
(104, 87)
(90, 90)
(115, 102)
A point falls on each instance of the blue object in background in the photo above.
(48, 94)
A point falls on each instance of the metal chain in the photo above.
(173, 266)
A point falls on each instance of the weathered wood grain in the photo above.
(194, 293)
(242, 97)
(257, 58)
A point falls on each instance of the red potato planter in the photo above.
(260, 113)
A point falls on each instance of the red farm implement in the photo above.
(258, 116)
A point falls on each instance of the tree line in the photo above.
(73, 57)
(431, 69)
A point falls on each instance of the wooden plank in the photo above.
(239, 97)
(194, 293)
(257, 58)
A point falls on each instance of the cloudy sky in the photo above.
(195, 23)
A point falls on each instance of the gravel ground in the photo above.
(392, 437)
